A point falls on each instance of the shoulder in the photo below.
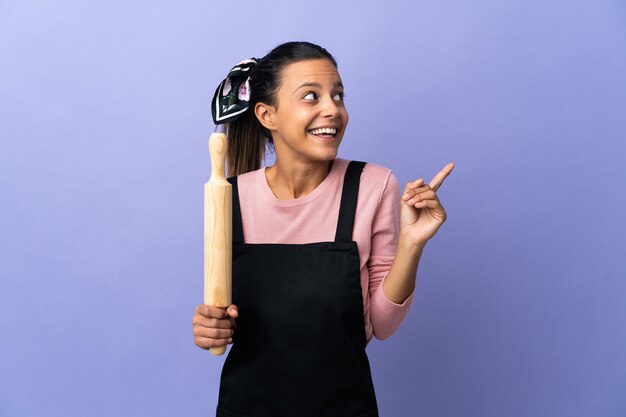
(377, 183)
(371, 171)
(246, 176)
(250, 178)
(379, 177)
(376, 172)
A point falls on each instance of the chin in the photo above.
(326, 155)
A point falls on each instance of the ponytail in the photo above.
(246, 144)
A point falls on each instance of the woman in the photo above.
(323, 257)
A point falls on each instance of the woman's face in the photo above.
(310, 117)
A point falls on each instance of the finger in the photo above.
(202, 321)
(425, 195)
(432, 204)
(213, 333)
(412, 193)
(437, 180)
(413, 184)
(211, 312)
(207, 342)
(410, 186)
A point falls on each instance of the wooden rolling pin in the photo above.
(218, 232)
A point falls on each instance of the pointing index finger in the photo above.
(437, 180)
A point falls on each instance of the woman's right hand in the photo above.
(214, 326)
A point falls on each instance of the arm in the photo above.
(386, 314)
(421, 215)
(400, 281)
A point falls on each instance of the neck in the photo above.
(296, 179)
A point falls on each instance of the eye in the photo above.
(339, 96)
(311, 94)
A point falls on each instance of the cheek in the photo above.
(344, 117)
(301, 119)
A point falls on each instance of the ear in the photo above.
(265, 114)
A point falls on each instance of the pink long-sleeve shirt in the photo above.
(313, 218)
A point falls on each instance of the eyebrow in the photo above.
(317, 85)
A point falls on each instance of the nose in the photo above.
(330, 108)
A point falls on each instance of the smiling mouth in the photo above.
(324, 132)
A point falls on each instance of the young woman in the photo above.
(325, 250)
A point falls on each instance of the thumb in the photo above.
(232, 311)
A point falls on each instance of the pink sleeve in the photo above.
(386, 315)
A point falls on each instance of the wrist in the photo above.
(410, 246)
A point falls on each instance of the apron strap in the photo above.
(237, 223)
(347, 208)
(349, 194)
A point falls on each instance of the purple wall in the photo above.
(104, 120)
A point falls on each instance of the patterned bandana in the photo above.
(232, 96)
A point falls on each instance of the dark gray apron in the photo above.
(299, 346)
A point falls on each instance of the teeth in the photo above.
(324, 130)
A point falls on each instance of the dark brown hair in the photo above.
(247, 138)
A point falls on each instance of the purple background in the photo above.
(104, 120)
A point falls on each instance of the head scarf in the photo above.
(232, 97)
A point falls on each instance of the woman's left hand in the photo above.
(421, 213)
